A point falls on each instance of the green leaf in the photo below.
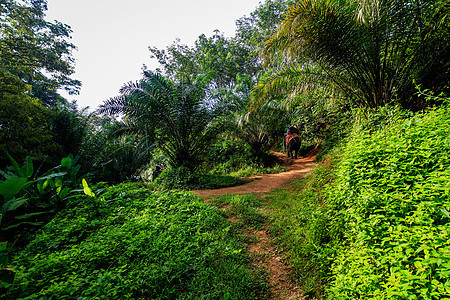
(86, 189)
(48, 182)
(20, 224)
(52, 175)
(16, 166)
(22, 217)
(75, 170)
(4, 174)
(63, 193)
(40, 187)
(59, 182)
(66, 162)
(14, 204)
(28, 167)
(11, 187)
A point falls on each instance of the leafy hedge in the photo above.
(134, 243)
(393, 195)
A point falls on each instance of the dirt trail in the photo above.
(264, 252)
(297, 168)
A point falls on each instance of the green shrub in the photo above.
(184, 179)
(134, 243)
(374, 223)
(231, 156)
(393, 197)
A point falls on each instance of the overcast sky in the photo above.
(113, 36)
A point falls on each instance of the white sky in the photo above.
(113, 36)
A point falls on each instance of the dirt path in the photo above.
(297, 168)
(264, 252)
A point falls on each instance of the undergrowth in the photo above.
(132, 243)
(393, 195)
(372, 221)
(243, 208)
(184, 179)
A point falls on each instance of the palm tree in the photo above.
(180, 117)
(372, 50)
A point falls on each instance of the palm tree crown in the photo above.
(180, 117)
(372, 50)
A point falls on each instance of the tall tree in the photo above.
(371, 50)
(178, 61)
(218, 58)
(36, 51)
(25, 124)
(253, 31)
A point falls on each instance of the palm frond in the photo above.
(370, 49)
(112, 106)
(287, 82)
(179, 117)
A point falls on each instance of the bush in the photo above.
(134, 243)
(184, 179)
(230, 156)
(373, 222)
(393, 196)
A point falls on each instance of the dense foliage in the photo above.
(131, 242)
(179, 116)
(371, 51)
(24, 122)
(393, 188)
(374, 222)
(35, 50)
(184, 179)
(371, 221)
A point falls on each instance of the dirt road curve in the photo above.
(298, 168)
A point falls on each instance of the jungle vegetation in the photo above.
(83, 216)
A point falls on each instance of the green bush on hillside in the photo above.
(134, 243)
(393, 194)
(372, 221)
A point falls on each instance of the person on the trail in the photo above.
(158, 170)
(293, 130)
(290, 133)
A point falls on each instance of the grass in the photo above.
(302, 229)
(244, 208)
